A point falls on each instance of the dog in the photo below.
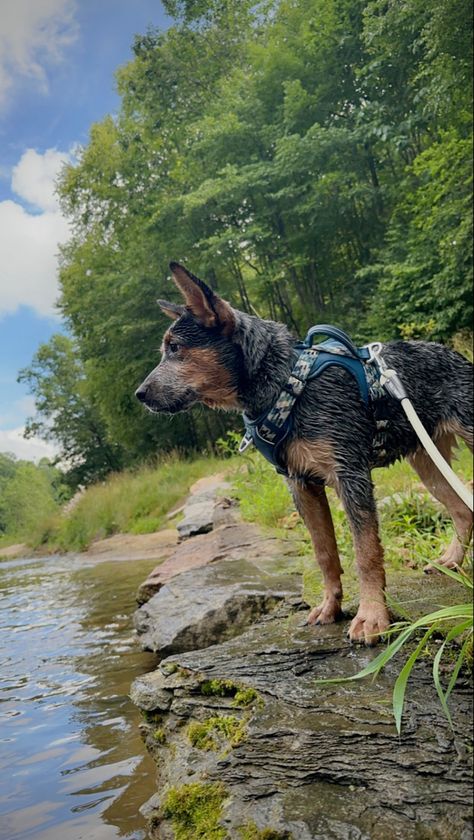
(227, 359)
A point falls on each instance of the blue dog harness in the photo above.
(271, 429)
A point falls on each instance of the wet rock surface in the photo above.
(236, 709)
(232, 540)
(198, 512)
(314, 761)
(205, 605)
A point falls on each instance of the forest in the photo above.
(310, 159)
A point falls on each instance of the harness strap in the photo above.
(271, 429)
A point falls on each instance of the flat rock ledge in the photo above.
(212, 603)
(279, 756)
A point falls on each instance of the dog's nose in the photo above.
(141, 393)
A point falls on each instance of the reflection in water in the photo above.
(71, 761)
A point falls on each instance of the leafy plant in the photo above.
(459, 616)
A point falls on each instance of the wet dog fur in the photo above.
(227, 359)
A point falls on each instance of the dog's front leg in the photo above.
(372, 619)
(312, 504)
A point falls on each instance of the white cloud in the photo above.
(29, 240)
(33, 449)
(33, 35)
(34, 177)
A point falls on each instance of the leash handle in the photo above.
(331, 332)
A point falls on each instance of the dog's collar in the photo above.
(269, 431)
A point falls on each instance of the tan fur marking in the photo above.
(219, 314)
(435, 482)
(225, 316)
(453, 427)
(372, 617)
(195, 298)
(314, 508)
(209, 378)
(369, 556)
(312, 458)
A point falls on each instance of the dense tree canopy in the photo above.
(311, 159)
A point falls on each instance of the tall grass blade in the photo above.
(399, 688)
(458, 665)
(459, 575)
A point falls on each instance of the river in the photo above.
(72, 764)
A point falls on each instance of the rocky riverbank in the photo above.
(247, 745)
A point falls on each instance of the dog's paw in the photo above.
(326, 613)
(451, 559)
(371, 622)
(448, 564)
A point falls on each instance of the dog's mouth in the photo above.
(166, 406)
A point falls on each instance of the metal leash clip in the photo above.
(389, 378)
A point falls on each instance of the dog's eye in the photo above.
(173, 347)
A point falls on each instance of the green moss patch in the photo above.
(243, 696)
(250, 831)
(219, 688)
(209, 734)
(195, 811)
(159, 736)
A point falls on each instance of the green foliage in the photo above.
(159, 736)
(67, 413)
(29, 494)
(245, 697)
(195, 810)
(128, 502)
(242, 695)
(263, 496)
(458, 620)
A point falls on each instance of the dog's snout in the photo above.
(141, 393)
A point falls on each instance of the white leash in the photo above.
(393, 385)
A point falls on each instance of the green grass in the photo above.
(133, 502)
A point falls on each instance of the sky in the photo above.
(57, 65)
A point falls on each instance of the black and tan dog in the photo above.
(224, 358)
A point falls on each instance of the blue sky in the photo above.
(57, 64)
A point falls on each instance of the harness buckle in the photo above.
(246, 441)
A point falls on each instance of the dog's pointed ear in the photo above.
(173, 310)
(205, 305)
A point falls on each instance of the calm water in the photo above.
(72, 764)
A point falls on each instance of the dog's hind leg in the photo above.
(356, 492)
(435, 482)
(312, 504)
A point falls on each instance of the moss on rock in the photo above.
(208, 734)
(250, 831)
(195, 811)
